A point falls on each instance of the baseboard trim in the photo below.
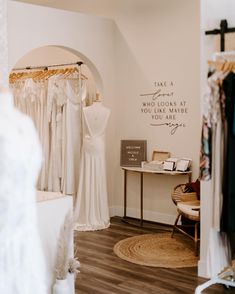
(148, 215)
(112, 211)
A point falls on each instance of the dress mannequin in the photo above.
(91, 211)
(22, 263)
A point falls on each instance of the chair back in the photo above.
(179, 194)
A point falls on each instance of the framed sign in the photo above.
(133, 152)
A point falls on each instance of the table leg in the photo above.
(141, 199)
(125, 200)
(189, 177)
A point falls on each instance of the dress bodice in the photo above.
(96, 118)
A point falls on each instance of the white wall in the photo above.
(91, 37)
(212, 12)
(47, 55)
(155, 44)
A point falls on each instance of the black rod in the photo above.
(213, 32)
(79, 63)
(222, 31)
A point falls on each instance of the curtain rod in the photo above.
(224, 29)
(79, 63)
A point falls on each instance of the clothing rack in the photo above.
(45, 67)
(222, 65)
(227, 276)
(38, 73)
(224, 29)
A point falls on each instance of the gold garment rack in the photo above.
(39, 73)
(222, 65)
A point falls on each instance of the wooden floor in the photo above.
(102, 272)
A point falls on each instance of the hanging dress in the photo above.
(218, 254)
(91, 211)
(55, 108)
(30, 98)
(228, 219)
(44, 135)
(72, 135)
(56, 99)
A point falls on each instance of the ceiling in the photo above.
(105, 8)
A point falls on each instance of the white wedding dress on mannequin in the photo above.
(91, 211)
(21, 259)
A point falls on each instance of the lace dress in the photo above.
(72, 134)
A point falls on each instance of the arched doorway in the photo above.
(59, 126)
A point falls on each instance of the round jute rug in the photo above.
(158, 250)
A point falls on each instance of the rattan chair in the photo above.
(188, 208)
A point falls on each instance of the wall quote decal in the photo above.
(163, 108)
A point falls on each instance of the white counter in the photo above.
(52, 209)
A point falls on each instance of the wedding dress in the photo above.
(30, 98)
(91, 211)
(72, 135)
(21, 259)
(56, 99)
(54, 105)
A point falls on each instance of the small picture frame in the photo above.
(133, 152)
(183, 164)
(169, 165)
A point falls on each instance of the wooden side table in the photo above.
(142, 171)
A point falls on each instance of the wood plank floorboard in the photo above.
(102, 272)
